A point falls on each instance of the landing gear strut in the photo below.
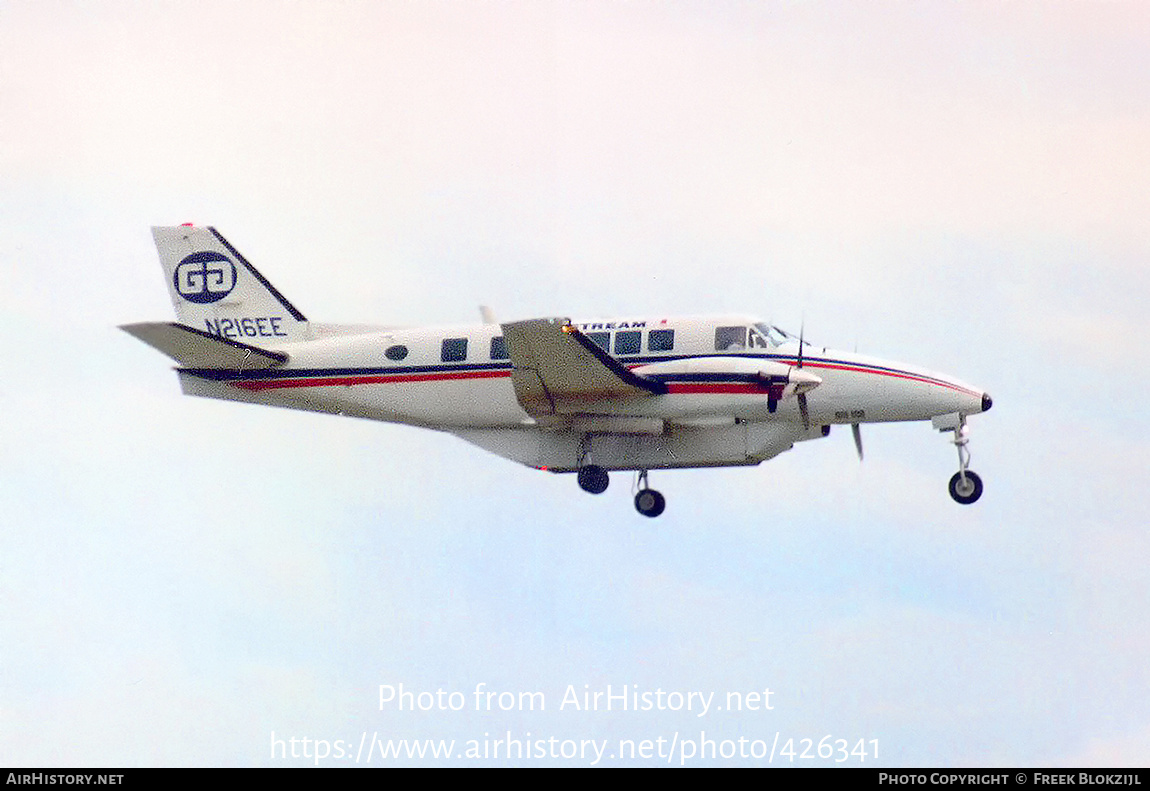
(965, 486)
(648, 502)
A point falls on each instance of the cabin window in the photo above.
(454, 350)
(730, 339)
(600, 339)
(498, 348)
(397, 352)
(628, 341)
(660, 340)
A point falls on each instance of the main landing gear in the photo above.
(593, 479)
(965, 486)
(648, 502)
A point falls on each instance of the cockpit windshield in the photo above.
(760, 339)
(773, 334)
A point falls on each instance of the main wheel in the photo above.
(649, 502)
(965, 492)
(593, 479)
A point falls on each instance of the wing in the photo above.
(556, 368)
(194, 348)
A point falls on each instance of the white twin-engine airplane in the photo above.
(552, 393)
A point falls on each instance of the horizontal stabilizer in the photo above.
(194, 348)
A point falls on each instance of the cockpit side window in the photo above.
(730, 339)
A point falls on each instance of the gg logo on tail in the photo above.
(205, 277)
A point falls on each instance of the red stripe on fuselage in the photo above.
(686, 388)
(735, 388)
(893, 374)
(348, 381)
(752, 388)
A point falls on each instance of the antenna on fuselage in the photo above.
(487, 314)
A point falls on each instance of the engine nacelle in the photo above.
(777, 380)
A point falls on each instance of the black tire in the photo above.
(650, 503)
(593, 479)
(966, 494)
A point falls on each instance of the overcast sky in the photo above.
(961, 186)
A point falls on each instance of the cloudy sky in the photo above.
(962, 186)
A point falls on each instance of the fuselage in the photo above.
(459, 377)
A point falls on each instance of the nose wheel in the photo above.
(648, 502)
(965, 487)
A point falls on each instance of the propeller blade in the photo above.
(802, 396)
(858, 439)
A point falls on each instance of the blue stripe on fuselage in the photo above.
(814, 362)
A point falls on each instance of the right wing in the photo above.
(555, 368)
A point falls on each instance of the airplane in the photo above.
(636, 393)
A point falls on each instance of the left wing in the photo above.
(555, 368)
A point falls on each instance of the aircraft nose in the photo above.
(987, 402)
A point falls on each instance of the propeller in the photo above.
(794, 381)
(802, 396)
(855, 426)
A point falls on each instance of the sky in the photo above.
(962, 186)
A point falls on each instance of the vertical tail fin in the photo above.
(215, 289)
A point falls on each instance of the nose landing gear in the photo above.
(965, 486)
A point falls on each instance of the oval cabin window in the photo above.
(396, 352)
